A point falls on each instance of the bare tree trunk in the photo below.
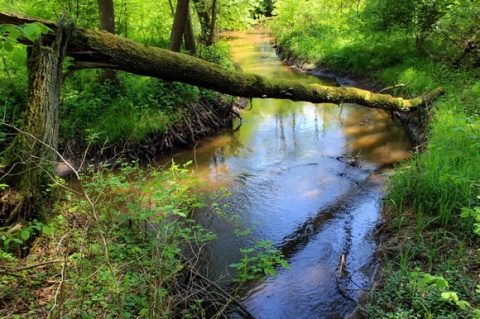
(33, 151)
(107, 22)
(213, 23)
(188, 35)
(179, 22)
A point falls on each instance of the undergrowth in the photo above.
(122, 244)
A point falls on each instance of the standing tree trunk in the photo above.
(188, 35)
(32, 154)
(107, 22)
(179, 23)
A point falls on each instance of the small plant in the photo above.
(474, 215)
(258, 261)
(16, 236)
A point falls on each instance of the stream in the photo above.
(309, 178)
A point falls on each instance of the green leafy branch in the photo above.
(11, 34)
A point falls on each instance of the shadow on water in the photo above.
(288, 169)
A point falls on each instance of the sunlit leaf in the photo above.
(449, 295)
(25, 234)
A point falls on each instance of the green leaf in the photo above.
(441, 282)
(8, 46)
(465, 213)
(450, 295)
(25, 234)
(32, 31)
(44, 29)
(13, 34)
(46, 230)
(17, 240)
(462, 304)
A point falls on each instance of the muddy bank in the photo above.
(197, 120)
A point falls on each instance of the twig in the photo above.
(401, 85)
(12, 270)
(343, 265)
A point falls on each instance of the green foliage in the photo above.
(14, 239)
(414, 16)
(124, 242)
(440, 182)
(218, 53)
(258, 261)
(13, 74)
(11, 34)
(146, 106)
(235, 15)
(458, 34)
(418, 294)
(474, 213)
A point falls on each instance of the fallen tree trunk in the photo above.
(98, 49)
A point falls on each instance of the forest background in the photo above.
(430, 232)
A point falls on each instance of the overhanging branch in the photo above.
(91, 48)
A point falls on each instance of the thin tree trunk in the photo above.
(205, 22)
(179, 23)
(213, 22)
(188, 35)
(107, 22)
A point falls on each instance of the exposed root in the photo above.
(215, 302)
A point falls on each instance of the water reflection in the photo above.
(284, 168)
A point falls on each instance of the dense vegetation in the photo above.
(97, 253)
(431, 219)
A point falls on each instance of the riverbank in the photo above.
(192, 121)
(429, 252)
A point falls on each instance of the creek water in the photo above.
(287, 165)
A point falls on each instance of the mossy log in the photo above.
(98, 49)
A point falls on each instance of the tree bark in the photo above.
(107, 22)
(188, 35)
(179, 23)
(33, 151)
(93, 49)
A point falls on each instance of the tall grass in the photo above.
(441, 181)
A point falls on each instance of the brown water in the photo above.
(286, 166)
